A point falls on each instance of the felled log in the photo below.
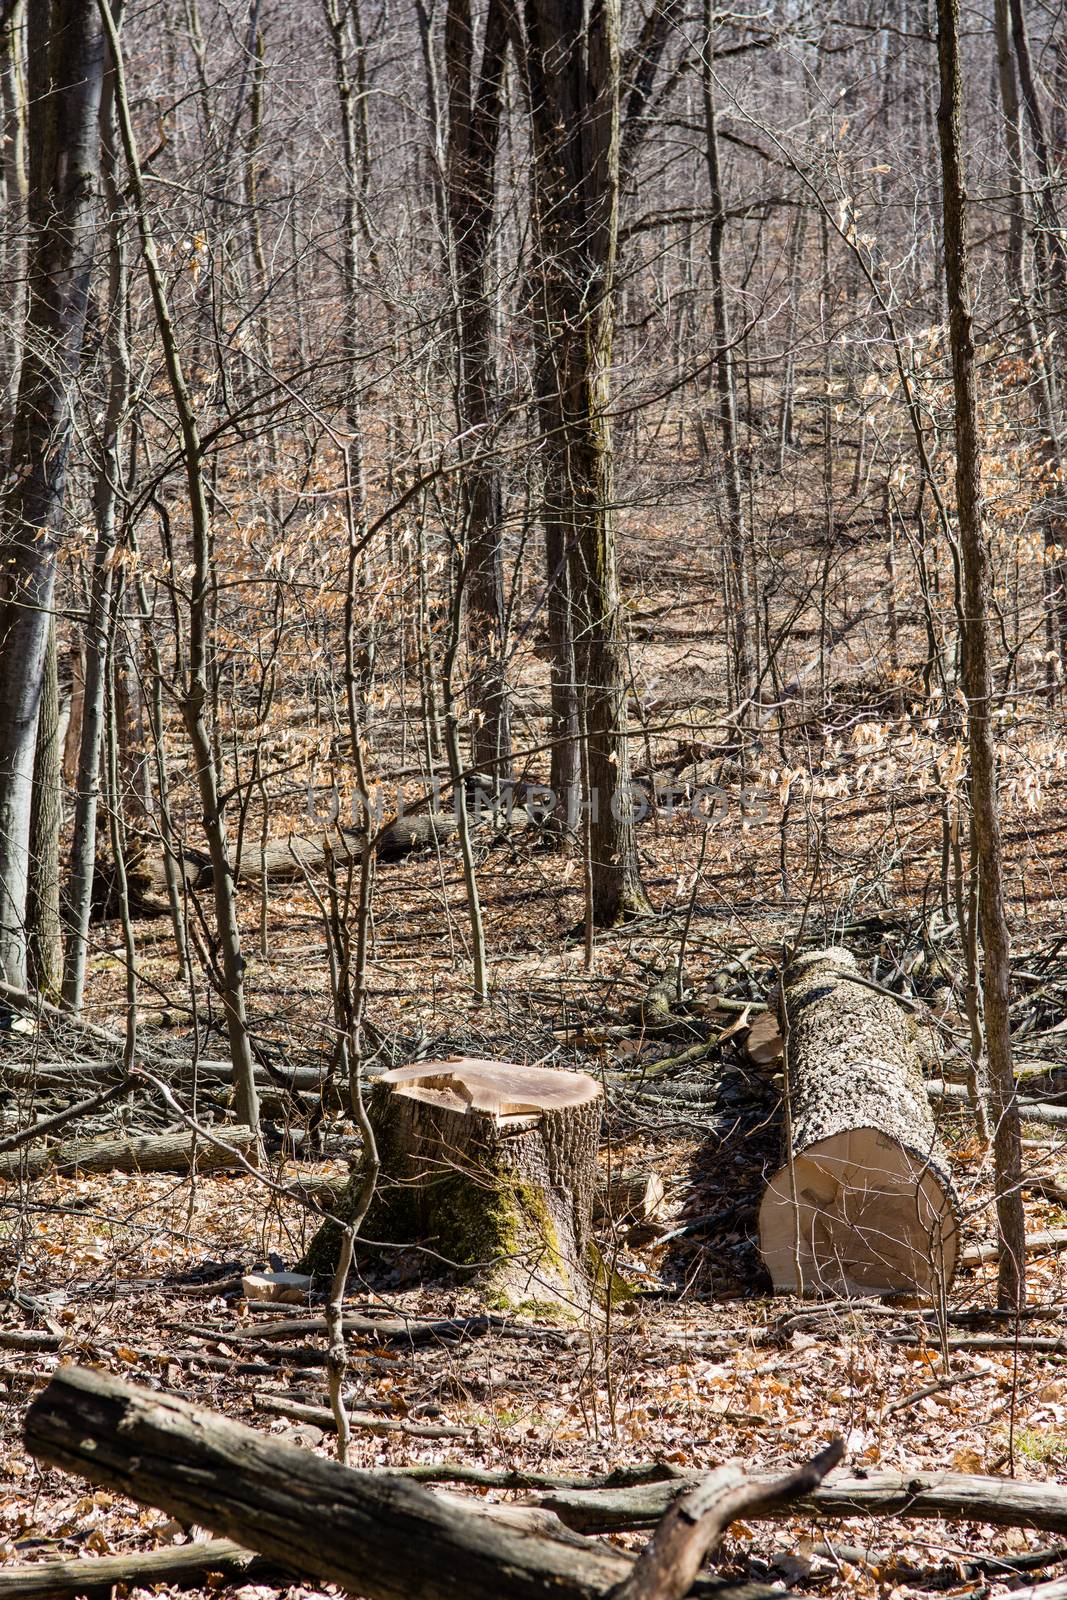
(44, 1127)
(864, 1201)
(1044, 1243)
(489, 1165)
(376, 1535)
(95, 1578)
(630, 1200)
(162, 1152)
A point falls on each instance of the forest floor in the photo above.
(701, 1364)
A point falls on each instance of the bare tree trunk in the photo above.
(44, 949)
(98, 629)
(1013, 143)
(194, 694)
(977, 675)
(573, 66)
(563, 728)
(739, 599)
(13, 102)
(66, 59)
(473, 137)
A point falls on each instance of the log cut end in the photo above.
(491, 1167)
(864, 1201)
(871, 1217)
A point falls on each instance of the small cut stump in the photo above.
(489, 1166)
(864, 1201)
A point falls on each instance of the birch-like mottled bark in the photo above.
(65, 75)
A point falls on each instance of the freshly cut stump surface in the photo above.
(491, 1167)
(864, 1201)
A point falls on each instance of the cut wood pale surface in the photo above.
(491, 1166)
(763, 1042)
(864, 1201)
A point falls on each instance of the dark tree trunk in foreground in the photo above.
(66, 60)
(373, 1534)
(473, 135)
(977, 674)
(573, 66)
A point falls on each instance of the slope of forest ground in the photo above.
(838, 838)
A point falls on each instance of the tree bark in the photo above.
(573, 77)
(98, 628)
(96, 1578)
(738, 599)
(962, 1496)
(977, 673)
(44, 950)
(66, 65)
(473, 136)
(864, 1201)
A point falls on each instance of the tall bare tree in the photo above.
(573, 66)
(65, 77)
(977, 672)
(474, 108)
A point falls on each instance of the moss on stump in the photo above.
(490, 1167)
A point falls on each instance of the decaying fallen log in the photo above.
(864, 1201)
(95, 1579)
(1004, 1502)
(373, 1422)
(279, 860)
(691, 1529)
(1045, 1243)
(377, 1535)
(488, 1164)
(44, 1127)
(162, 1152)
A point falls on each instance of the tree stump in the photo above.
(864, 1202)
(489, 1165)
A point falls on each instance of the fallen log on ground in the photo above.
(280, 860)
(1029, 1110)
(149, 1152)
(45, 1126)
(864, 1201)
(966, 1497)
(278, 1405)
(376, 1535)
(1044, 1243)
(96, 1578)
(490, 1165)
